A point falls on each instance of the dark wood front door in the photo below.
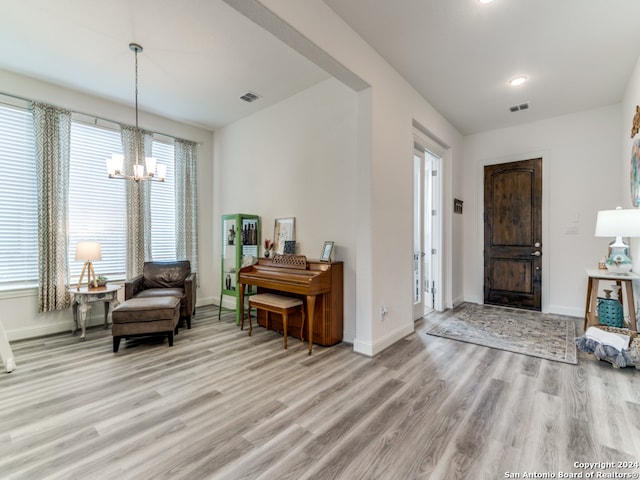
(513, 234)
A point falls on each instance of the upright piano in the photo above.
(318, 284)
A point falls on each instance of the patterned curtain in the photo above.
(52, 128)
(137, 144)
(186, 161)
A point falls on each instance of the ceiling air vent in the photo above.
(517, 108)
(250, 97)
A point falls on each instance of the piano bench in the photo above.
(275, 304)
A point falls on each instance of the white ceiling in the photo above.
(201, 55)
(459, 54)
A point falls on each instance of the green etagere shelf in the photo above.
(240, 241)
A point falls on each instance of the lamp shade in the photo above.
(618, 223)
(88, 251)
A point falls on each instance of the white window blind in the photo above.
(96, 203)
(18, 198)
(163, 224)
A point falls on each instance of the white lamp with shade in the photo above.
(618, 223)
(89, 252)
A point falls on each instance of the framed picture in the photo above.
(289, 247)
(327, 248)
(284, 229)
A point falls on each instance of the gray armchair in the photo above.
(162, 279)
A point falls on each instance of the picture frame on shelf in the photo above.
(283, 230)
(327, 249)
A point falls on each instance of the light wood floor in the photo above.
(220, 404)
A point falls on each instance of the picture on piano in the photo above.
(284, 230)
(327, 248)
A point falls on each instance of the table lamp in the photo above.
(89, 252)
(618, 223)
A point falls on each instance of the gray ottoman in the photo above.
(145, 316)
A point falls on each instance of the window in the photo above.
(18, 198)
(97, 209)
(96, 202)
(163, 210)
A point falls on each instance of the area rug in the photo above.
(520, 331)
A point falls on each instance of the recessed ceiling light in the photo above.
(486, 1)
(519, 80)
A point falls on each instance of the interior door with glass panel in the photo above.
(425, 250)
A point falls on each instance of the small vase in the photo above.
(266, 254)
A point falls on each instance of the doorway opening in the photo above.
(427, 276)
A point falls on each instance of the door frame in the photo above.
(544, 155)
(420, 142)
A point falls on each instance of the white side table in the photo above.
(595, 275)
(84, 297)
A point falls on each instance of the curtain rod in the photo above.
(31, 100)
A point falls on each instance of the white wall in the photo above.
(581, 173)
(19, 309)
(386, 112)
(296, 159)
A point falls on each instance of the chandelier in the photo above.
(114, 164)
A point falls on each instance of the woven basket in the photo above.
(633, 351)
(610, 312)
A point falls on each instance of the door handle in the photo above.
(536, 253)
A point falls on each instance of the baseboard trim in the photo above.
(201, 302)
(569, 311)
(371, 349)
(41, 331)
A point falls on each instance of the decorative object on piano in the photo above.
(289, 247)
(268, 246)
(284, 229)
(327, 248)
(291, 261)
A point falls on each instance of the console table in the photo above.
(84, 297)
(595, 275)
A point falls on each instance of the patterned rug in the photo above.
(530, 333)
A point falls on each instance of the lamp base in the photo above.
(619, 268)
(618, 261)
(91, 276)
